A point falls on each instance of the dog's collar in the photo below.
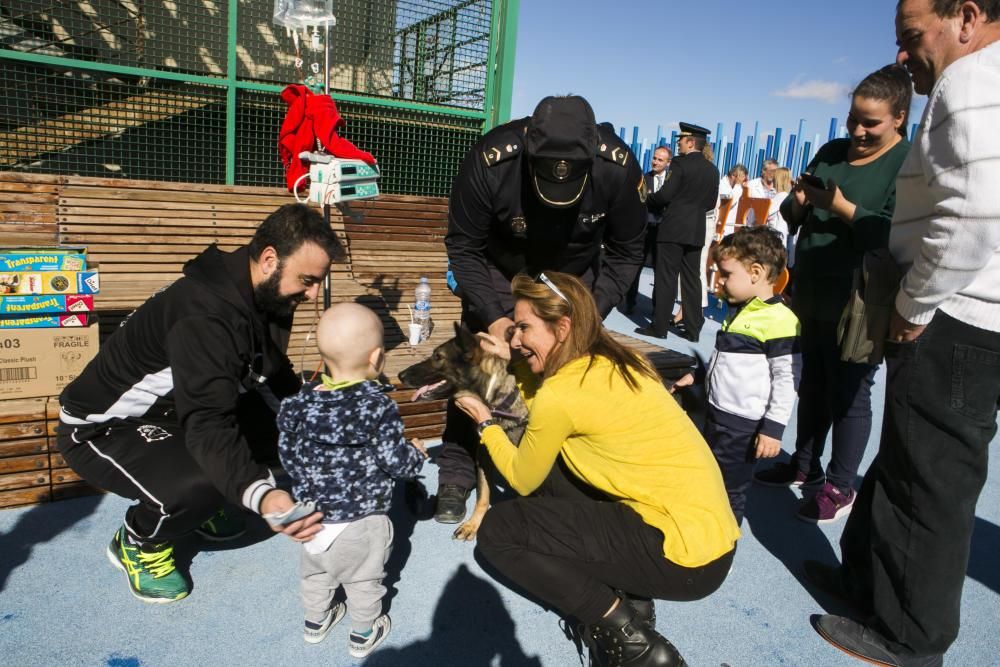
(503, 410)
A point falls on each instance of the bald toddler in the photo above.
(342, 445)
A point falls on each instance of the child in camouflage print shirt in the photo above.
(342, 444)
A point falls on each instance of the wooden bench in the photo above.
(142, 232)
(31, 468)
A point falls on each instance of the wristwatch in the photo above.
(481, 426)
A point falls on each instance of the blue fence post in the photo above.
(790, 156)
(736, 145)
(719, 145)
(800, 137)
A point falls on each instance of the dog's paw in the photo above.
(467, 531)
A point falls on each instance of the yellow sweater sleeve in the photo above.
(526, 466)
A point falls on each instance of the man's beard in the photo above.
(267, 295)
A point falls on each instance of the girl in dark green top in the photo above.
(837, 224)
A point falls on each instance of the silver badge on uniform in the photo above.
(561, 170)
(518, 226)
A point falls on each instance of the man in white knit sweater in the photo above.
(906, 545)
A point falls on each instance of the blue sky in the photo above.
(649, 63)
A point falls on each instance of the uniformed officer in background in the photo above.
(540, 193)
(691, 189)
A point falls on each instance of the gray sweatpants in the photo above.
(356, 560)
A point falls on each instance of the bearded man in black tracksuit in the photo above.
(154, 417)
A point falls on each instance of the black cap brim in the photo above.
(559, 195)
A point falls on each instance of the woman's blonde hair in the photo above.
(783, 180)
(568, 297)
(708, 152)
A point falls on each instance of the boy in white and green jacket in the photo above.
(753, 376)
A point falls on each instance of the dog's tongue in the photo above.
(426, 388)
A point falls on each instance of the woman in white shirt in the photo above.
(783, 185)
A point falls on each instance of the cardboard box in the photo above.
(50, 282)
(44, 321)
(40, 362)
(31, 304)
(67, 258)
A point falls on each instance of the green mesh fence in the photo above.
(96, 124)
(427, 51)
(187, 90)
(418, 153)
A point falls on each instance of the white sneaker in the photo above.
(360, 646)
(317, 632)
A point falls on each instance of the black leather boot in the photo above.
(645, 612)
(621, 639)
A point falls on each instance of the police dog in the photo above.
(460, 366)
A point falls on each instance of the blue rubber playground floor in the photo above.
(62, 603)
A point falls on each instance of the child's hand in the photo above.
(767, 447)
(419, 445)
(685, 381)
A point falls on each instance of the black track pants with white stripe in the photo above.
(148, 463)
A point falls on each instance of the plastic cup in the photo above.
(415, 331)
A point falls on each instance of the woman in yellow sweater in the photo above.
(623, 500)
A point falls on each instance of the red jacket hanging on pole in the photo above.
(311, 117)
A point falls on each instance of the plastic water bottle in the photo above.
(422, 308)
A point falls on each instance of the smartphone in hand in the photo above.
(812, 180)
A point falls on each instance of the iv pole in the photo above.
(327, 282)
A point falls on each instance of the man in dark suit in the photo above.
(690, 189)
(654, 180)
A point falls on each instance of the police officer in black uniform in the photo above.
(547, 192)
(690, 191)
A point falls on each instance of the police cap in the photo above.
(692, 130)
(561, 142)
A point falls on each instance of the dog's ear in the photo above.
(467, 341)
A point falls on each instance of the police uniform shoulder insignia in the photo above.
(504, 149)
(613, 152)
(643, 192)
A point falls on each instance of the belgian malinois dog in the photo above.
(460, 366)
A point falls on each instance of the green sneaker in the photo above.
(152, 576)
(222, 527)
